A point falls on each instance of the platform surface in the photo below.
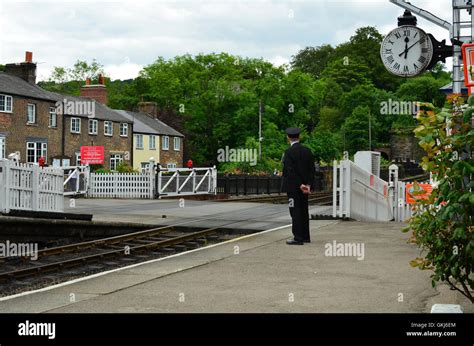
(260, 273)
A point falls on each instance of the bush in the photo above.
(444, 226)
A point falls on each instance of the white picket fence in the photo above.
(121, 185)
(30, 187)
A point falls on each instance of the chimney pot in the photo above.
(28, 56)
(88, 81)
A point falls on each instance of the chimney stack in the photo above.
(24, 70)
(150, 108)
(96, 92)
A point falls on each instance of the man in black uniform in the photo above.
(298, 176)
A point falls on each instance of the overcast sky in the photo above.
(126, 35)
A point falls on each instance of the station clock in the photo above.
(406, 51)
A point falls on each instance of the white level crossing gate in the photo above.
(30, 187)
(153, 183)
(361, 195)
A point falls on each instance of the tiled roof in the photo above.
(13, 85)
(143, 123)
(102, 112)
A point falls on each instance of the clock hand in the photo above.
(406, 46)
(414, 44)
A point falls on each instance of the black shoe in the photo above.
(294, 242)
(307, 241)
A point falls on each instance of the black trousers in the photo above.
(298, 203)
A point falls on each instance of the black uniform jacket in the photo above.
(298, 168)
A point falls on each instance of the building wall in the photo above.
(17, 132)
(112, 144)
(171, 155)
(143, 155)
(405, 147)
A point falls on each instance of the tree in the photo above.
(325, 145)
(356, 130)
(422, 89)
(312, 60)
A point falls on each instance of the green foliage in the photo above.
(2, 68)
(324, 145)
(443, 226)
(312, 60)
(422, 89)
(356, 129)
(124, 167)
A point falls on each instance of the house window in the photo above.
(53, 118)
(78, 158)
(166, 142)
(144, 167)
(108, 128)
(31, 113)
(177, 143)
(138, 141)
(75, 125)
(123, 130)
(171, 165)
(152, 142)
(93, 125)
(35, 150)
(6, 103)
(115, 160)
(2, 147)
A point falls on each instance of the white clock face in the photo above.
(406, 51)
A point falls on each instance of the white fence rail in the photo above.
(359, 194)
(30, 187)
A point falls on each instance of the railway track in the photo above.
(100, 254)
(319, 198)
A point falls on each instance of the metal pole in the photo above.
(370, 133)
(260, 129)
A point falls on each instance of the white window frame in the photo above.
(3, 146)
(94, 130)
(177, 140)
(116, 159)
(43, 151)
(108, 124)
(73, 129)
(123, 130)
(5, 103)
(78, 158)
(28, 107)
(53, 117)
(171, 165)
(138, 141)
(166, 143)
(152, 140)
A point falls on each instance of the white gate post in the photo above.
(151, 171)
(214, 178)
(35, 188)
(393, 186)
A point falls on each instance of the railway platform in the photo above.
(260, 273)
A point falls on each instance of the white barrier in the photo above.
(30, 187)
(360, 194)
(121, 185)
(187, 181)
